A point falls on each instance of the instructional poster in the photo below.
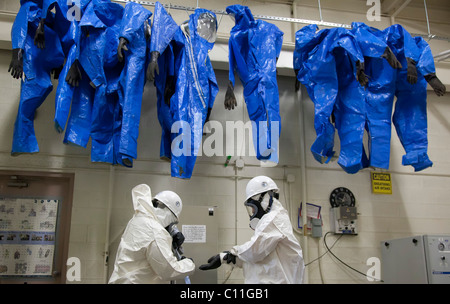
(27, 236)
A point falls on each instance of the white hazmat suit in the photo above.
(273, 254)
(145, 252)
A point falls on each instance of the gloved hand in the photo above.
(56, 72)
(297, 83)
(16, 65)
(39, 37)
(122, 47)
(74, 75)
(148, 30)
(391, 59)
(178, 239)
(412, 71)
(438, 87)
(213, 263)
(360, 74)
(230, 99)
(229, 257)
(153, 66)
(169, 89)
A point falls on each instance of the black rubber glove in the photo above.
(74, 75)
(122, 47)
(148, 30)
(16, 65)
(153, 66)
(230, 99)
(360, 74)
(39, 37)
(178, 239)
(56, 72)
(438, 87)
(297, 83)
(391, 59)
(169, 89)
(412, 71)
(229, 257)
(213, 263)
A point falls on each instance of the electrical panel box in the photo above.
(343, 220)
(416, 260)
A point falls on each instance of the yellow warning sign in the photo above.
(381, 182)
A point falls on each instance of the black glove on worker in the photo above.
(122, 47)
(213, 263)
(16, 65)
(391, 59)
(74, 75)
(153, 66)
(438, 87)
(229, 257)
(230, 100)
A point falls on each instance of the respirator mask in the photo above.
(164, 215)
(257, 208)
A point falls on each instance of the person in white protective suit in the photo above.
(145, 253)
(273, 255)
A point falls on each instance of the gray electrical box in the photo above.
(343, 220)
(199, 226)
(416, 260)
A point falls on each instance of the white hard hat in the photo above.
(258, 185)
(171, 200)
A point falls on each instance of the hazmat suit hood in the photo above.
(142, 200)
(241, 15)
(193, 24)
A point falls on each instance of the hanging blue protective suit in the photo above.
(37, 66)
(95, 117)
(254, 48)
(132, 79)
(410, 114)
(196, 86)
(315, 61)
(68, 17)
(351, 112)
(386, 83)
(162, 35)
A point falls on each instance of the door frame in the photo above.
(65, 180)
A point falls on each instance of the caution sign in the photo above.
(381, 182)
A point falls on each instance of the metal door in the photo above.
(35, 212)
(199, 226)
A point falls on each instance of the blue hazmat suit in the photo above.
(195, 88)
(410, 113)
(69, 33)
(254, 47)
(37, 67)
(409, 117)
(316, 63)
(351, 112)
(132, 80)
(161, 43)
(95, 109)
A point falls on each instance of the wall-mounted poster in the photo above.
(27, 236)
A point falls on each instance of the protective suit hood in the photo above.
(241, 14)
(142, 200)
(193, 23)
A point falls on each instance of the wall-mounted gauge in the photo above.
(342, 197)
